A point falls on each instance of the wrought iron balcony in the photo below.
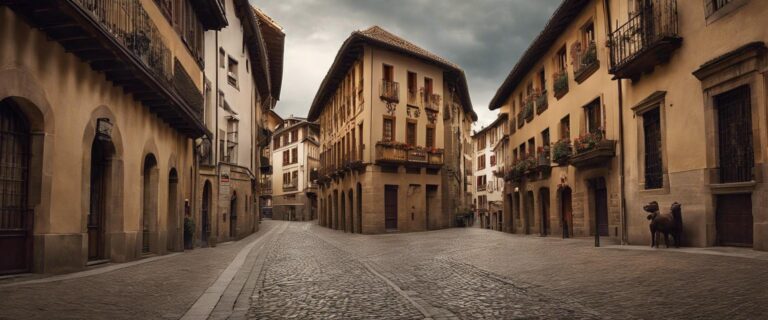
(648, 39)
(119, 39)
(599, 153)
(432, 102)
(389, 153)
(265, 188)
(390, 91)
(585, 62)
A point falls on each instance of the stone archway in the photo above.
(149, 216)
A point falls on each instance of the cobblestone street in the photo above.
(302, 271)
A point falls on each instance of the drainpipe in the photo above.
(622, 158)
(213, 212)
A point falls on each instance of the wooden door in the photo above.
(205, 225)
(734, 220)
(601, 210)
(96, 213)
(567, 207)
(15, 215)
(544, 196)
(390, 207)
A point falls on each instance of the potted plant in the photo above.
(561, 151)
(541, 101)
(527, 111)
(588, 141)
(561, 83)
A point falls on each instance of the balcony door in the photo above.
(390, 207)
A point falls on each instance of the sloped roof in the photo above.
(377, 36)
(501, 118)
(560, 20)
(274, 38)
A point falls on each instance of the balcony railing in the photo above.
(413, 97)
(560, 83)
(390, 91)
(265, 188)
(397, 154)
(646, 40)
(119, 39)
(293, 185)
(432, 102)
(542, 102)
(585, 62)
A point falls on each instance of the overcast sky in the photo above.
(484, 37)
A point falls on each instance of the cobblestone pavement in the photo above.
(304, 271)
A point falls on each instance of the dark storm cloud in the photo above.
(485, 37)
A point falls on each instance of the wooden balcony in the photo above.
(389, 91)
(389, 154)
(601, 154)
(119, 39)
(646, 40)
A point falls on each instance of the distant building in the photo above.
(384, 166)
(489, 178)
(273, 121)
(295, 161)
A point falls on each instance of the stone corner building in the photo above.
(618, 103)
(101, 103)
(295, 160)
(392, 159)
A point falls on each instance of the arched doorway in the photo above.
(233, 216)
(17, 216)
(205, 215)
(342, 205)
(149, 205)
(544, 204)
(329, 212)
(359, 219)
(566, 211)
(530, 222)
(102, 152)
(350, 197)
(174, 221)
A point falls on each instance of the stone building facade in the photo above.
(665, 104)
(382, 148)
(98, 120)
(295, 162)
(265, 180)
(489, 179)
(243, 74)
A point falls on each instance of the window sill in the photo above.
(724, 11)
(733, 188)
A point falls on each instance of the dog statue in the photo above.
(670, 223)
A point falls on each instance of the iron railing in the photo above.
(585, 59)
(650, 24)
(736, 152)
(713, 6)
(432, 101)
(132, 27)
(390, 91)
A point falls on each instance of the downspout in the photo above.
(214, 214)
(622, 158)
